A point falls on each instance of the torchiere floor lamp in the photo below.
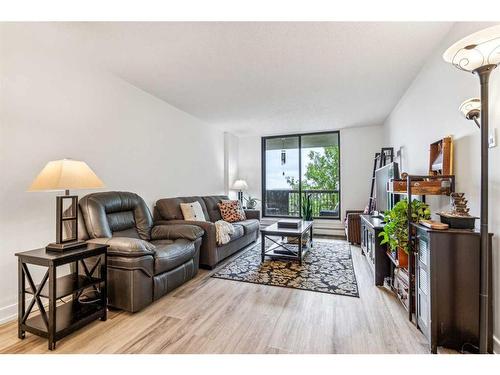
(479, 53)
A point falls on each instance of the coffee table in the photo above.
(282, 249)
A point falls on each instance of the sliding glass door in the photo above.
(295, 167)
(281, 176)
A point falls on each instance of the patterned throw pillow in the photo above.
(231, 211)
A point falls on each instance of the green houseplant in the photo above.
(251, 202)
(307, 212)
(395, 232)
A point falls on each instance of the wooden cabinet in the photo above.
(375, 252)
(447, 287)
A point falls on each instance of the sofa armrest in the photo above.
(125, 246)
(176, 231)
(252, 214)
(207, 226)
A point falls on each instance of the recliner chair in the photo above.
(145, 261)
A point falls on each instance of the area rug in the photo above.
(326, 268)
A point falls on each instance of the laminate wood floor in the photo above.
(209, 315)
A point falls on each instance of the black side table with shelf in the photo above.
(374, 251)
(61, 319)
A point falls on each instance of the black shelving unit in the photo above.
(61, 320)
(411, 257)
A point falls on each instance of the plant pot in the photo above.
(402, 258)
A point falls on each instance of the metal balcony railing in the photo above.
(325, 203)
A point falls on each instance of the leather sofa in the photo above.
(167, 211)
(145, 261)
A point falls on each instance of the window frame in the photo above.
(263, 174)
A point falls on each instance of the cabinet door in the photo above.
(423, 286)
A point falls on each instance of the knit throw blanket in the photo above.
(223, 230)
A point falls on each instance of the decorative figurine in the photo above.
(458, 217)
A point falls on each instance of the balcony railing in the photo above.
(325, 203)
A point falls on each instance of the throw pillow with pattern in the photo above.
(231, 211)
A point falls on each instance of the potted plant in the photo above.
(307, 212)
(251, 202)
(395, 232)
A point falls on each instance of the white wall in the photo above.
(51, 108)
(429, 111)
(230, 163)
(357, 149)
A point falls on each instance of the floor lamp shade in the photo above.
(476, 50)
(479, 53)
(63, 175)
(471, 108)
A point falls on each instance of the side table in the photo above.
(63, 319)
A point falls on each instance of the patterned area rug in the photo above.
(326, 268)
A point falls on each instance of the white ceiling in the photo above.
(265, 78)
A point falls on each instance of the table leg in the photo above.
(300, 249)
(21, 299)
(263, 246)
(52, 307)
(311, 236)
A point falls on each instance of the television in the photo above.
(384, 201)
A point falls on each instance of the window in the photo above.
(295, 166)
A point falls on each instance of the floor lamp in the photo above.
(479, 53)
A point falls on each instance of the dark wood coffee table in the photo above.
(284, 248)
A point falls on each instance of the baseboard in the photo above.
(496, 345)
(8, 313)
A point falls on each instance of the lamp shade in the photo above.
(476, 50)
(240, 185)
(471, 108)
(65, 174)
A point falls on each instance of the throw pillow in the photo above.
(231, 211)
(193, 211)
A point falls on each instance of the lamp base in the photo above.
(60, 247)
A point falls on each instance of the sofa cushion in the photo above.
(212, 205)
(250, 225)
(239, 232)
(170, 208)
(171, 254)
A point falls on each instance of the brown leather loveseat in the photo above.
(167, 211)
(145, 261)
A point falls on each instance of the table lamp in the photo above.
(479, 53)
(63, 175)
(240, 185)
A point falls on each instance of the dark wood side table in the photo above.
(63, 319)
(281, 249)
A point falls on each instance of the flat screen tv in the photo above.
(383, 200)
